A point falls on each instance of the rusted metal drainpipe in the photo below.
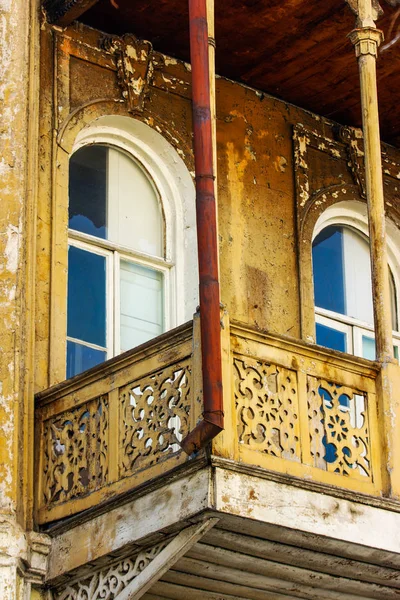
(213, 416)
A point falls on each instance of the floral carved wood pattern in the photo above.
(75, 451)
(154, 417)
(338, 425)
(267, 408)
(108, 583)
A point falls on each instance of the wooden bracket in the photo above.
(131, 577)
(166, 559)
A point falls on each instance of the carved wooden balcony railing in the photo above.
(290, 407)
(116, 426)
(301, 410)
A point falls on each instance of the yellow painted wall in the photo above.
(258, 205)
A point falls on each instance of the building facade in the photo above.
(104, 493)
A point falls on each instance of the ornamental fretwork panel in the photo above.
(267, 408)
(109, 582)
(298, 412)
(338, 425)
(106, 431)
(154, 417)
(75, 451)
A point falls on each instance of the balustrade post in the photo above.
(225, 444)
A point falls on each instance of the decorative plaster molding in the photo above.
(39, 545)
(135, 68)
(353, 139)
(348, 147)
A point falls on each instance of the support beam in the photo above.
(366, 40)
(166, 559)
(63, 12)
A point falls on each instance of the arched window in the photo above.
(132, 246)
(343, 292)
(117, 275)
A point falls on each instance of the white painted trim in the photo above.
(338, 325)
(87, 344)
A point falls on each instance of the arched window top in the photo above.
(113, 198)
(342, 280)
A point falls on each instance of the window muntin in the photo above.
(118, 275)
(343, 292)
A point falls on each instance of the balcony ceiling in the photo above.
(296, 50)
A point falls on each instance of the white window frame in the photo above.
(114, 253)
(354, 215)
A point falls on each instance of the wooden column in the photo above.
(366, 40)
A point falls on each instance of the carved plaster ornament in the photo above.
(135, 68)
(354, 142)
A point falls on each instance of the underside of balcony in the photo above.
(289, 501)
(219, 533)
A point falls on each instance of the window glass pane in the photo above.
(368, 347)
(141, 304)
(86, 296)
(88, 190)
(328, 270)
(80, 358)
(331, 338)
(357, 269)
(134, 214)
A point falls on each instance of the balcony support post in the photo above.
(366, 39)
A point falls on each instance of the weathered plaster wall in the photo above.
(18, 21)
(267, 177)
(19, 83)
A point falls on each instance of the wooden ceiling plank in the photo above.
(63, 12)
(243, 577)
(259, 573)
(223, 587)
(181, 592)
(303, 539)
(308, 559)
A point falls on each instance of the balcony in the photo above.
(291, 409)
